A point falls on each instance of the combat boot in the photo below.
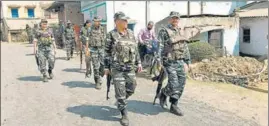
(71, 54)
(174, 108)
(124, 121)
(45, 78)
(50, 74)
(162, 98)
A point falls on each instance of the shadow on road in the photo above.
(144, 108)
(105, 113)
(78, 70)
(60, 58)
(81, 84)
(257, 89)
(29, 54)
(30, 78)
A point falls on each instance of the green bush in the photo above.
(201, 50)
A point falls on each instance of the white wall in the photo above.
(258, 35)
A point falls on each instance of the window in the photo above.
(14, 13)
(246, 35)
(31, 13)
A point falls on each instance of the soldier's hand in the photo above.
(186, 68)
(139, 68)
(34, 52)
(106, 71)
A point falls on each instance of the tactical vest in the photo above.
(175, 49)
(44, 37)
(69, 33)
(97, 38)
(124, 49)
(83, 34)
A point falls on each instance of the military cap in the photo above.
(68, 22)
(44, 21)
(120, 15)
(174, 14)
(97, 18)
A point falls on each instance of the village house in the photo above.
(68, 10)
(253, 29)
(224, 33)
(16, 14)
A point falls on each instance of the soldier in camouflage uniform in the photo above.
(35, 29)
(61, 35)
(44, 40)
(96, 45)
(69, 40)
(29, 31)
(176, 59)
(121, 55)
(84, 38)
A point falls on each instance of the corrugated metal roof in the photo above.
(263, 12)
(255, 9)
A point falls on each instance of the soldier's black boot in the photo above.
(45, 78)
(124, 121)
(71, 54)
(50, 74)
(97, 83)
(162, 98)
(174, 108)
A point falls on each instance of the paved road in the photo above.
(72, 100)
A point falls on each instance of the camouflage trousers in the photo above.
(30, 38)
(124, 84)
(59, 41)
(70, 46)
(176, 79)
(97, 58)
(45, 55)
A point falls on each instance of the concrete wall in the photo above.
(38, 8)
(258, 35)
(72, 13)
(158, 10)
(230, 30)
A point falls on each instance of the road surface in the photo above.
(72, 100)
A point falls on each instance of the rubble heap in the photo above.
(236, 70)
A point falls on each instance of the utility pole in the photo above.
(147, 12)
(202, 7)
(188, 7)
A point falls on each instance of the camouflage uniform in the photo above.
(60, 38)
(35, 29)
(121, 54)
(96, 46)
(69, 40)
(175, 53)
(84, 36)
(29, 31)
(45, 40)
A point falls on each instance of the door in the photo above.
(215, 39)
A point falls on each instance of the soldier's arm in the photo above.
(192, 31)
(186, 54)
(163, 39)
(53, 39)
(89, 35)
(108, 50)
(35, 41)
